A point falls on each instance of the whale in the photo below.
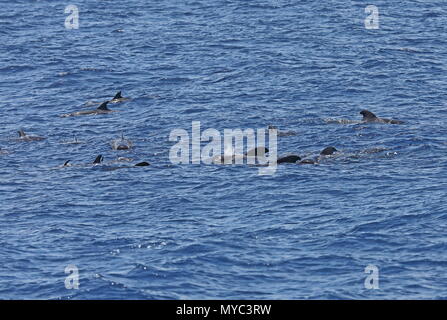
(232, 158)
(118, 98)
(74, 141)
(328, 151)
(139, 164)
(293, 158)
(99, 160)
(281, 133)
(368, 116)
(256, 152)
(102, 109)
(67, 164)
(142, 164)
(121, 144)
(3, 151)
(288, 159)
(24, 137)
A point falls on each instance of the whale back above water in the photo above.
(102, 109)
(289, 159)
(316, 160)
(281, 133)
(368, 116)
(24, 137)
(142, 164)
(230, 157)
(328, 151)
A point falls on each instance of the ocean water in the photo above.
(172, 231)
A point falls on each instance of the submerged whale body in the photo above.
(368, 116)
(102, 109)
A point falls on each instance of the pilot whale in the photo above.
(294, 158)
(118, 98)
(368, 116)
(232, 158)
(67, 164)
(288, 159)
(24, 137)
(121, 144)
(100, 159)
(281, 133)
(97, 161)
(102, 109)
(74, 141)
(328, 151)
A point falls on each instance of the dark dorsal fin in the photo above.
(118, 95)
(103, 106)
(142, 164)
(21, 133)
(98, 159)
(66, 163)
(367, 114)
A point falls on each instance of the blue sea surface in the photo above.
(179, 231)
